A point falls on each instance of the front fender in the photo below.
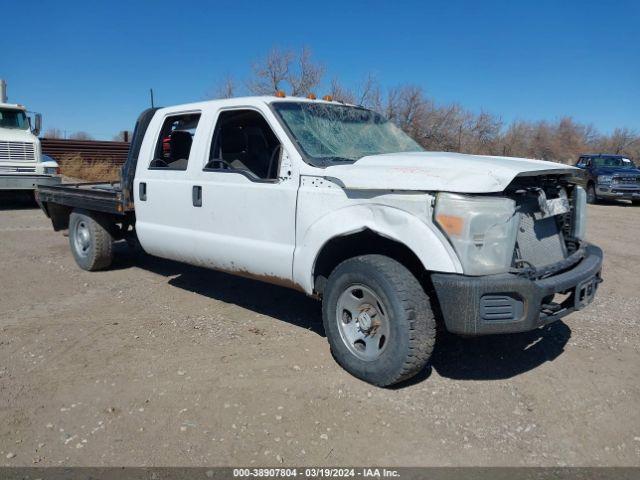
(421, 237)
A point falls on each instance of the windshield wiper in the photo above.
(338, 159)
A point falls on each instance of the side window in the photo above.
(174, 142)
(244, 142)
(582, 162)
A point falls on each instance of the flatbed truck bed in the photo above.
(103, 197)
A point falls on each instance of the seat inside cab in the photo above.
(244, 141)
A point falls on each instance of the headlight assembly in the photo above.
(605, 178)
(481, 229)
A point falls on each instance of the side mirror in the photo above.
(38, 124)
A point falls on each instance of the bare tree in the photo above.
(271, 73)
(53, 133)
(569, 139)
(340, 93)
(226, 89)
(369, 94)
(306, 77)
(406, 106)
(516, 141)
(621, 141)
(286, 70)
(80, 136)
(486, 129)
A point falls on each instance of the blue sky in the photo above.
(88, 65)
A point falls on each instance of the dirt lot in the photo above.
(156, 363)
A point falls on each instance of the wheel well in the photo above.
(117, 226)
(59, 215)
(366, 242)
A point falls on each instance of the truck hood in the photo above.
(16, 135)
(615, 171)
(438, 171)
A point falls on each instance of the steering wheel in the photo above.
(224, 163)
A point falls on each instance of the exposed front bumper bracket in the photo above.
(510, 303)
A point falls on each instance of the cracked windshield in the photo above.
(339, 133)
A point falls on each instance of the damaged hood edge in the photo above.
(438, 171)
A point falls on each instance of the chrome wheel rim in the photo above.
(82, 239)
(362, 322)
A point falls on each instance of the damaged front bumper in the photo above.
(509, 303)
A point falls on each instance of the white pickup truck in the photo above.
(337, 202)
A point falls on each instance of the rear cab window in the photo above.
(173, 145)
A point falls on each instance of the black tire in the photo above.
(411, 323)
(592, 198)
(95, 250)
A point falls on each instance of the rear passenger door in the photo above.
(163, 186)
(246, 223)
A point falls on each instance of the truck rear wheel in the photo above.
(378, 320)
(90, 241)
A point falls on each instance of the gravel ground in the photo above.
(155, 363)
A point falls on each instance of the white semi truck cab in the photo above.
(21, 161)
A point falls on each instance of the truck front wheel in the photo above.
(90, 241)
(592, 198)
(378, 320)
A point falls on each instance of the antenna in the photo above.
(3, 91)
(151, 93)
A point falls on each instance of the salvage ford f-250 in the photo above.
(337, 202)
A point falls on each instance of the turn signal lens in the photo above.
(451, 224)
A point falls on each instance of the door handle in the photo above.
(142, 191)
(196, 195)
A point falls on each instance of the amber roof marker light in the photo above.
(328, 98)
(280, 94)
(312, 96)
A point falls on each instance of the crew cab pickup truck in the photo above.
(610, 177)
(337, 202)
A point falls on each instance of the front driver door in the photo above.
(246, 223)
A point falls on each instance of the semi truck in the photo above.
(337, 202)
(22, 166)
